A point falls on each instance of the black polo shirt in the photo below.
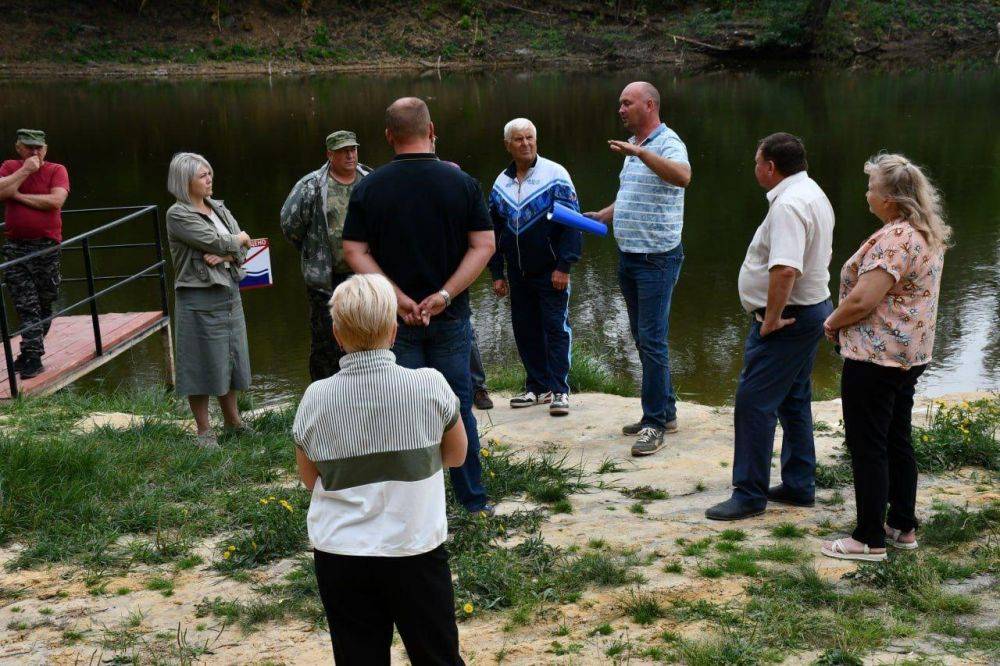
(415, 214)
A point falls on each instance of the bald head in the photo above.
(408, 119)
(639, 107)
(644, 92)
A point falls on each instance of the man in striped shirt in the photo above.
(372, 442)
(648, 215)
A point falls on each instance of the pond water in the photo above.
(262, 134)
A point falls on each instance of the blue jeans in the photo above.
(445, 345)
(476, 366)
(647, 283)
(776, 384)
(539, 315)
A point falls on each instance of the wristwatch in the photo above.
(446, 296)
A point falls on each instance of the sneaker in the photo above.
(650, 441)
(31, 366)
(635, 428)
(560, 405)
(482, 400)
(529, 399)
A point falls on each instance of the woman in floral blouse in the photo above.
(884, 326)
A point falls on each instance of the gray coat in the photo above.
(192, 235)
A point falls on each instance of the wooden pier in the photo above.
(70, 352)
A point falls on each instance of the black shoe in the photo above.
(781, 495)
(31, 367)
(732, 509)
(18, 363)
(482, 399)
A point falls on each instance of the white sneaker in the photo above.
(529, 399)
(560, 405)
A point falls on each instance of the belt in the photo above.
(789, 309)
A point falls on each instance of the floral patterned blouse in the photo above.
(899, 332)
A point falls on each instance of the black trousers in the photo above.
(324, 352)
(878, 403)
(365, 596)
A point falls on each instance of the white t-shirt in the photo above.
(374, 431)
(797, 232)
(221, 228)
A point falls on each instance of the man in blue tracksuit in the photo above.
(537, 254)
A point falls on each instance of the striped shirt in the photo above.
(374, 431)
(649, 212)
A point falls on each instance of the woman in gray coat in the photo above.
(207, 248)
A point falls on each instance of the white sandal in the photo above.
(892, 536)
(838, 550)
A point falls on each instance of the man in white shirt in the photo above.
(784, 286)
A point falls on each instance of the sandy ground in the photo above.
(694, 469)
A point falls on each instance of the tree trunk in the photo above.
(812, 21)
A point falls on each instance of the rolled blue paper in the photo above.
(574, 220)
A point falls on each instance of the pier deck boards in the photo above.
(70, 352)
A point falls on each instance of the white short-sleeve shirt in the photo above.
(797, 232)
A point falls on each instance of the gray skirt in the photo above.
(213, 357)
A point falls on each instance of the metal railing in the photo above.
(82, 243)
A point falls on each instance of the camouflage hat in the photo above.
(30, 137)
(341, 139)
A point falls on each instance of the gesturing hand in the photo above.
(624, 147)
(244, 239)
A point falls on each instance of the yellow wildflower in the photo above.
(231, 548)
(288, 506)
(485, 453)
(492, 474)
(226, 555)
(468, 609)
(264, 502)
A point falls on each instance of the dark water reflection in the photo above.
(262, 135)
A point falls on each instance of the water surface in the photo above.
(261, 135)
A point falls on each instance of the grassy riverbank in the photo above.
(199, 37)
(133, 516)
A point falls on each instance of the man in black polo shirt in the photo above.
(424, 225)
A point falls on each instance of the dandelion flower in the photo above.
(485, 453)
(468, 609)
(226, 555)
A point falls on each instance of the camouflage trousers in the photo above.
(34, 287)
(324, 352)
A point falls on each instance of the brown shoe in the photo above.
(482, 400)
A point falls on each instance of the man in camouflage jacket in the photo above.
(312, 219)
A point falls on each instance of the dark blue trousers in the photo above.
(445, 345)
(539, 314)
(776, 385)
(647, 282)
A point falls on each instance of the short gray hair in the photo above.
(183, 169)
(518, 125)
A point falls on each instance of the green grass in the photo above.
(588, 373)
(645, 493)
(787, 531)
(643, 607)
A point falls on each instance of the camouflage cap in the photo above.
(30, 137)
(341, 139)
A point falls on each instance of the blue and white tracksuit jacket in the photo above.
(532, 246)
(527, 242)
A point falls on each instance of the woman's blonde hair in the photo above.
(363, 309)
(918, 201)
